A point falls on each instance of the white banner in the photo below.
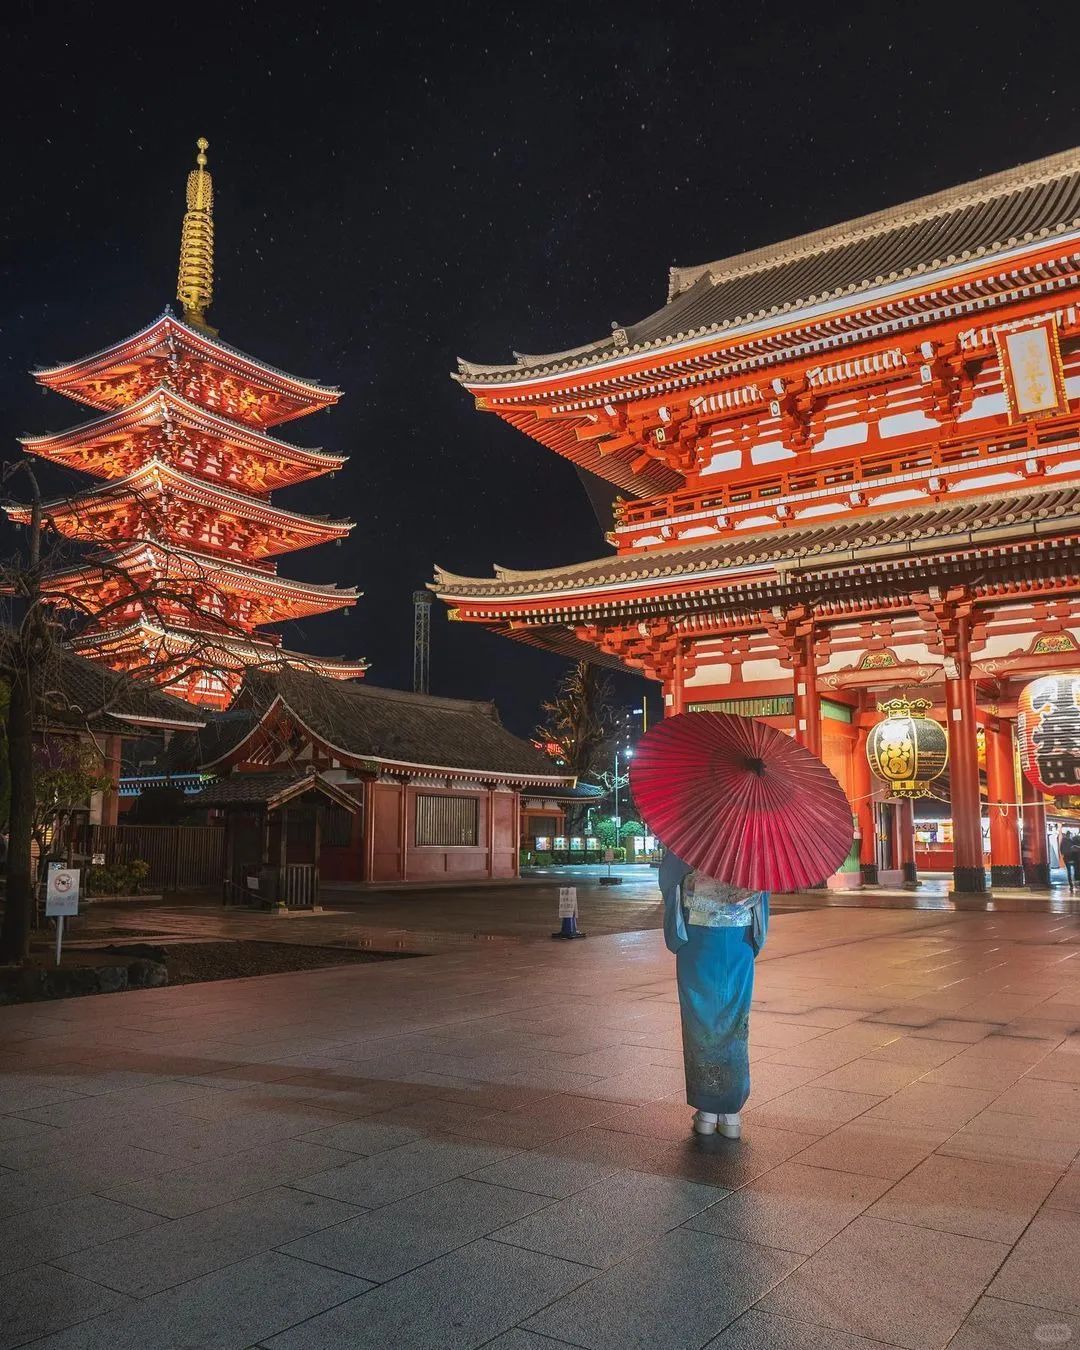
(567, 902)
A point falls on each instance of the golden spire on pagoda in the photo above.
(195, 283)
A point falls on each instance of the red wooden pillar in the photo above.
(519, 842)
(1036, 858)
(905, 841)
(678, 700)
(969, 874)
(367, 842)
(110, 801)
(807, 702)
(491, 830)
(862, 790)
(403, 826)
(1005, 864)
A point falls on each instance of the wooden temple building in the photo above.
(184, 537)
(371, 785)
(850, 470)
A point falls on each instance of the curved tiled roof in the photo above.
(167, 317)
(271, 789)
(151, 408)
(913, 530)
(397, 728)
(197, 566)
(1033, 201)
(79, 693)
(245, 651)
(233, 499)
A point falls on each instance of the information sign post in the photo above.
(568, 913)
(61, 899)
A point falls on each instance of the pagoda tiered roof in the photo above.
(160, 572)
(183, 516)
(204, 668)
(896, 248)
(164, 425)
(149, 503)
(198, 366)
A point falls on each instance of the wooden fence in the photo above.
(300, 885)
(180, 856)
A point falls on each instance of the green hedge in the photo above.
(119, 878)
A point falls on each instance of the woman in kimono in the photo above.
(715, 931)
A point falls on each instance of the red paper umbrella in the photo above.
(740, 801)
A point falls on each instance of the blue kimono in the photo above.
(715, 946)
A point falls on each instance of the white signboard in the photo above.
(1032, 366)
(97, 859)
(609, 855)
(567, 902)
(62, 892)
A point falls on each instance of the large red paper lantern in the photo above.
(1048, 729)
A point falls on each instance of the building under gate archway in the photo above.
(851, 467)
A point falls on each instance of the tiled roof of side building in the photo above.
(248, 787)
(395, 727)
(270, 788)
(913, 530)
(986, 216)
(79, 694)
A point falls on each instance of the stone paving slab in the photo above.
(34, 1303)
(168, 1254)
(489, 1147)
(792, 1207)
(610, 1219)
(995, 1325)
(211, 1183)
(674, 1294)
(461, 1300)
(907, 1285)
(761, 1331)
(1044, 1266)
(397, 1238)
(48, 1232)
(225, 1310)
(384, 1178)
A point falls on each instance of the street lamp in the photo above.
(628, 753)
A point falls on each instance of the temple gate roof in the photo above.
(982, 218)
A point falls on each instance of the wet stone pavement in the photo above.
(488, 1147)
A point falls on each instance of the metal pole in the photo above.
(59, 936)
(617, 820)
(422, 601)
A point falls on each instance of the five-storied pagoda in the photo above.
(851, 467)
(184, 572)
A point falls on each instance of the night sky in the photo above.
(399, 184)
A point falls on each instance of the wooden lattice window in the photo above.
(446, 822)
(337, 824)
